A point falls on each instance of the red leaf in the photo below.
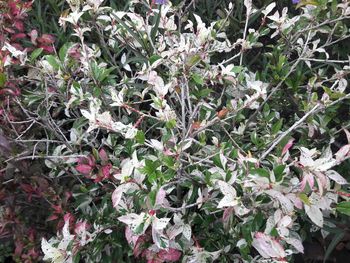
(84, 169)
(52, 217)
(47, 49)
(27, 188)
(19, 25)
(18, 36)
(170, 255)
(106, 170)
(46, 39)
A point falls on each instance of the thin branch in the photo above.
(315, 109)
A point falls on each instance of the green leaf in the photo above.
(303, 197)
(169, 161)
(152, 196)
(154, 58)
(237, 69)
(62, 54)
(254, 138)
(53, 62)
(140, 137)
(202, 93)
(278, 172)
(36, 53)
(333, 94)
(197, 79)
(261, 172)
(193, 60)
(277, 126)
(3, 79)
(170, 124)
(156, 24)
(344, 208)
(336, 239)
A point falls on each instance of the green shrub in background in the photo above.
(191, 131)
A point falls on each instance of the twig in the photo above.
(315, 109)
(32, 157)
(327, 60)
(284, 134)
(245, 33)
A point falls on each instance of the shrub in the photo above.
(186, 142)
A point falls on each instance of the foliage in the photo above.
(173, 131)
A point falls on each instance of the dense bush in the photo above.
(174, 131)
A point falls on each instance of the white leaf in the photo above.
(285, 221)
(174, 231)
(229, 195)
(269, 8)
(230, 6)
(127, 167)
(286, 204)
(160, 223)
(51, 252)
(123, 59)
(296, 243)
(267, 247)
(187, 232)
(186, 144)
(336, 177)
(134, 221)
(87, 115)
(315, 214)
(342, 153)
(117, 194)
(130, 133)
(157, 145)
(223, 159)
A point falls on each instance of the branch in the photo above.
(315, 109)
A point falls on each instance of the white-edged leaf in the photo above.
(315, 214)
(223, 159)
(267, 246)
(157, 145)
(342, 153)
(229, 195)
(269, 8)
(336, 177)
(117, 194)
(296, 243)
(187, 232)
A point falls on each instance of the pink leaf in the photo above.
(308, 178)
(84, 169)
(103, 155)
(46, 39)
(227, 213)
(117, 194)
(106, 170)
(267, 246)
(287, 146)
(170, 255)
(160, 198)
(139, 246)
